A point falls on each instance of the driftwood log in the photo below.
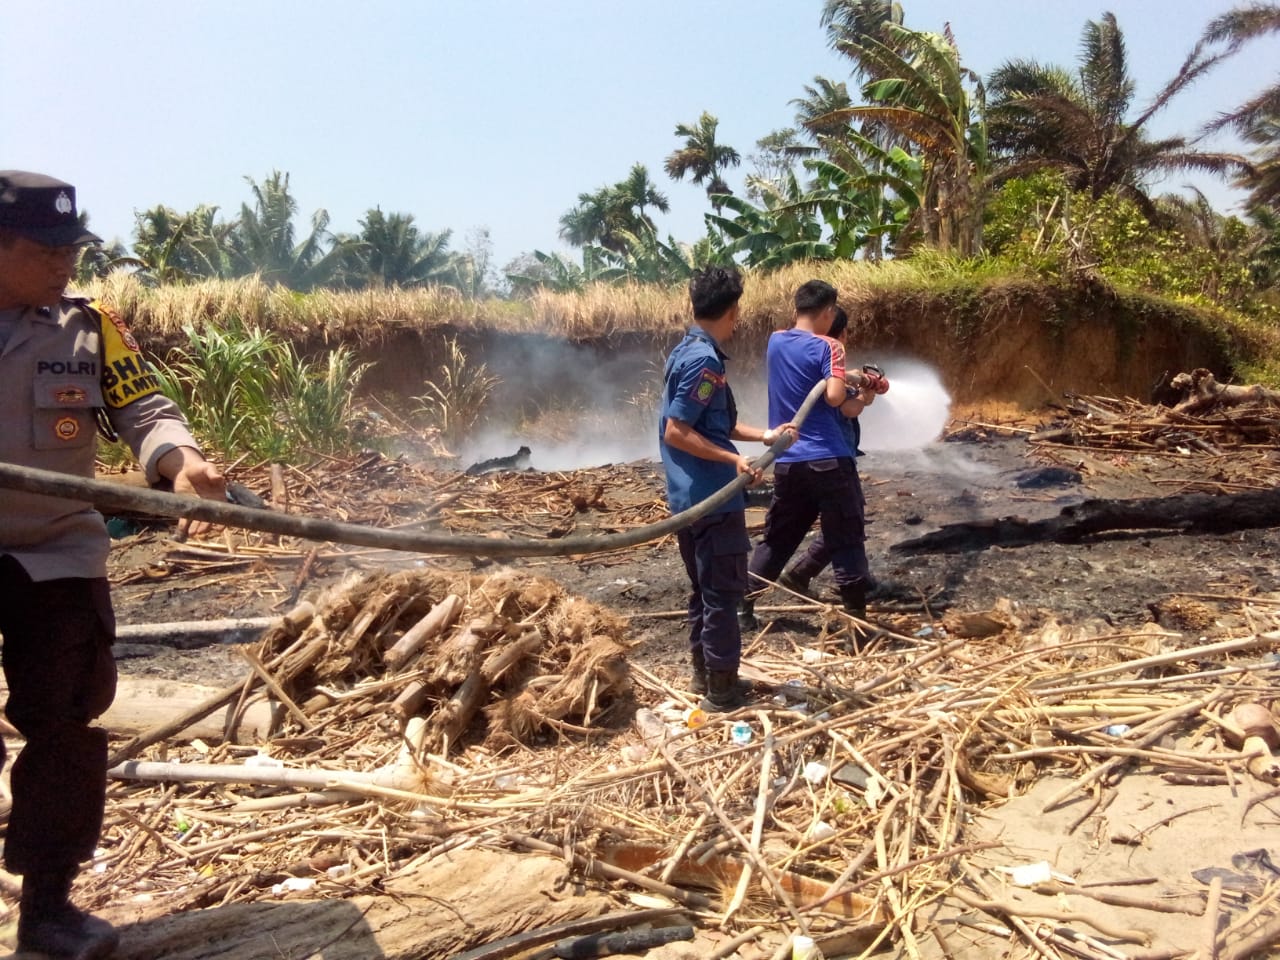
(1185, 513)
(1200, 390)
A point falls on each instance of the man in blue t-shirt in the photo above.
(816, 558)
(698, 424)
(815, 478)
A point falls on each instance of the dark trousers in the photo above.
(816, 557)
(823, 490)
(714, 550)
(61, 675)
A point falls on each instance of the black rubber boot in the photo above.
(796, 583)
(724, 692)
(747, 614)
(854, 601)
(48, 924)
(853, 597)
(698, 675)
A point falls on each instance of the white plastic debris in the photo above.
(294, 885)
(815, 772)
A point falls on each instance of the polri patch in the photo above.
(707, 385)
(67, 428)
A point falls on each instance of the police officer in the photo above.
(699, 421)
(66, 367)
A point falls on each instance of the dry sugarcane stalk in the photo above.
(440, 617)
(1191, 905)
(132, 747)
(1149, 733)
(1006, 909)
(757, 822)
(767, 874)
(594, 867)
(1209, 950)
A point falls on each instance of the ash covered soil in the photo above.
(1183, 582)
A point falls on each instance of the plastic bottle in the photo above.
(650, 726)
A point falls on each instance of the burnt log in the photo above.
(1190, 513)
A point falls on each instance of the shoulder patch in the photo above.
(707, 385)
(126, 375)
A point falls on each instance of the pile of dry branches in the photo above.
(425, 712)
(1209, 418)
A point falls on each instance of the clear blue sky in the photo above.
(470, 114)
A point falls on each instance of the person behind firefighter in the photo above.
(696, 430)
(814, 479)
(815, 559)
(66, 366)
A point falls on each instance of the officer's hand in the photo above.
(746, 466)
(193, 475)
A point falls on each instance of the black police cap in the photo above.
(42, 209)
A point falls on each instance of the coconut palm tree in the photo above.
(1048, 118)
(393, 252)
(1258, 118)
(638, 192)
(604, 216)
(853, 21)
(175, 247)
(815, 109)
(1236, 28)
(264, 240)
(701, 157)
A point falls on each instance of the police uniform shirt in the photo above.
(57, 368)
(696, 392)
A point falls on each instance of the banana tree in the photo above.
(922, 93)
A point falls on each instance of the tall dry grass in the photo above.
(594, 314)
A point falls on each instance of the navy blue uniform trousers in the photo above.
(808, 490)
(714, 550)
(61, 675)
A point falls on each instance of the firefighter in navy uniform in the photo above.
(65, 367)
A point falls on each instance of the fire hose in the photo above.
(106, 495)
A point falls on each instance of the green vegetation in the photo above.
(247, 392)
(454, 402)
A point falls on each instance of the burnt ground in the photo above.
(1126, 578)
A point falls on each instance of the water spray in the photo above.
(909, 417)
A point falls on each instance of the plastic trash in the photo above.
(651, 727)
(804, 948)
(740, 732)
(815, 772)
(695, 718)
(294, 885)
(1117, 730)
(821, 831)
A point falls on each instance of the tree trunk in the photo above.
(1187, 513)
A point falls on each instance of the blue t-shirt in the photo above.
(797, 360)
(695, 391)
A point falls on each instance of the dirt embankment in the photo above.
(1012, 342)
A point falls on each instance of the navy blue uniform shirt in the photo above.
(695, 392)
